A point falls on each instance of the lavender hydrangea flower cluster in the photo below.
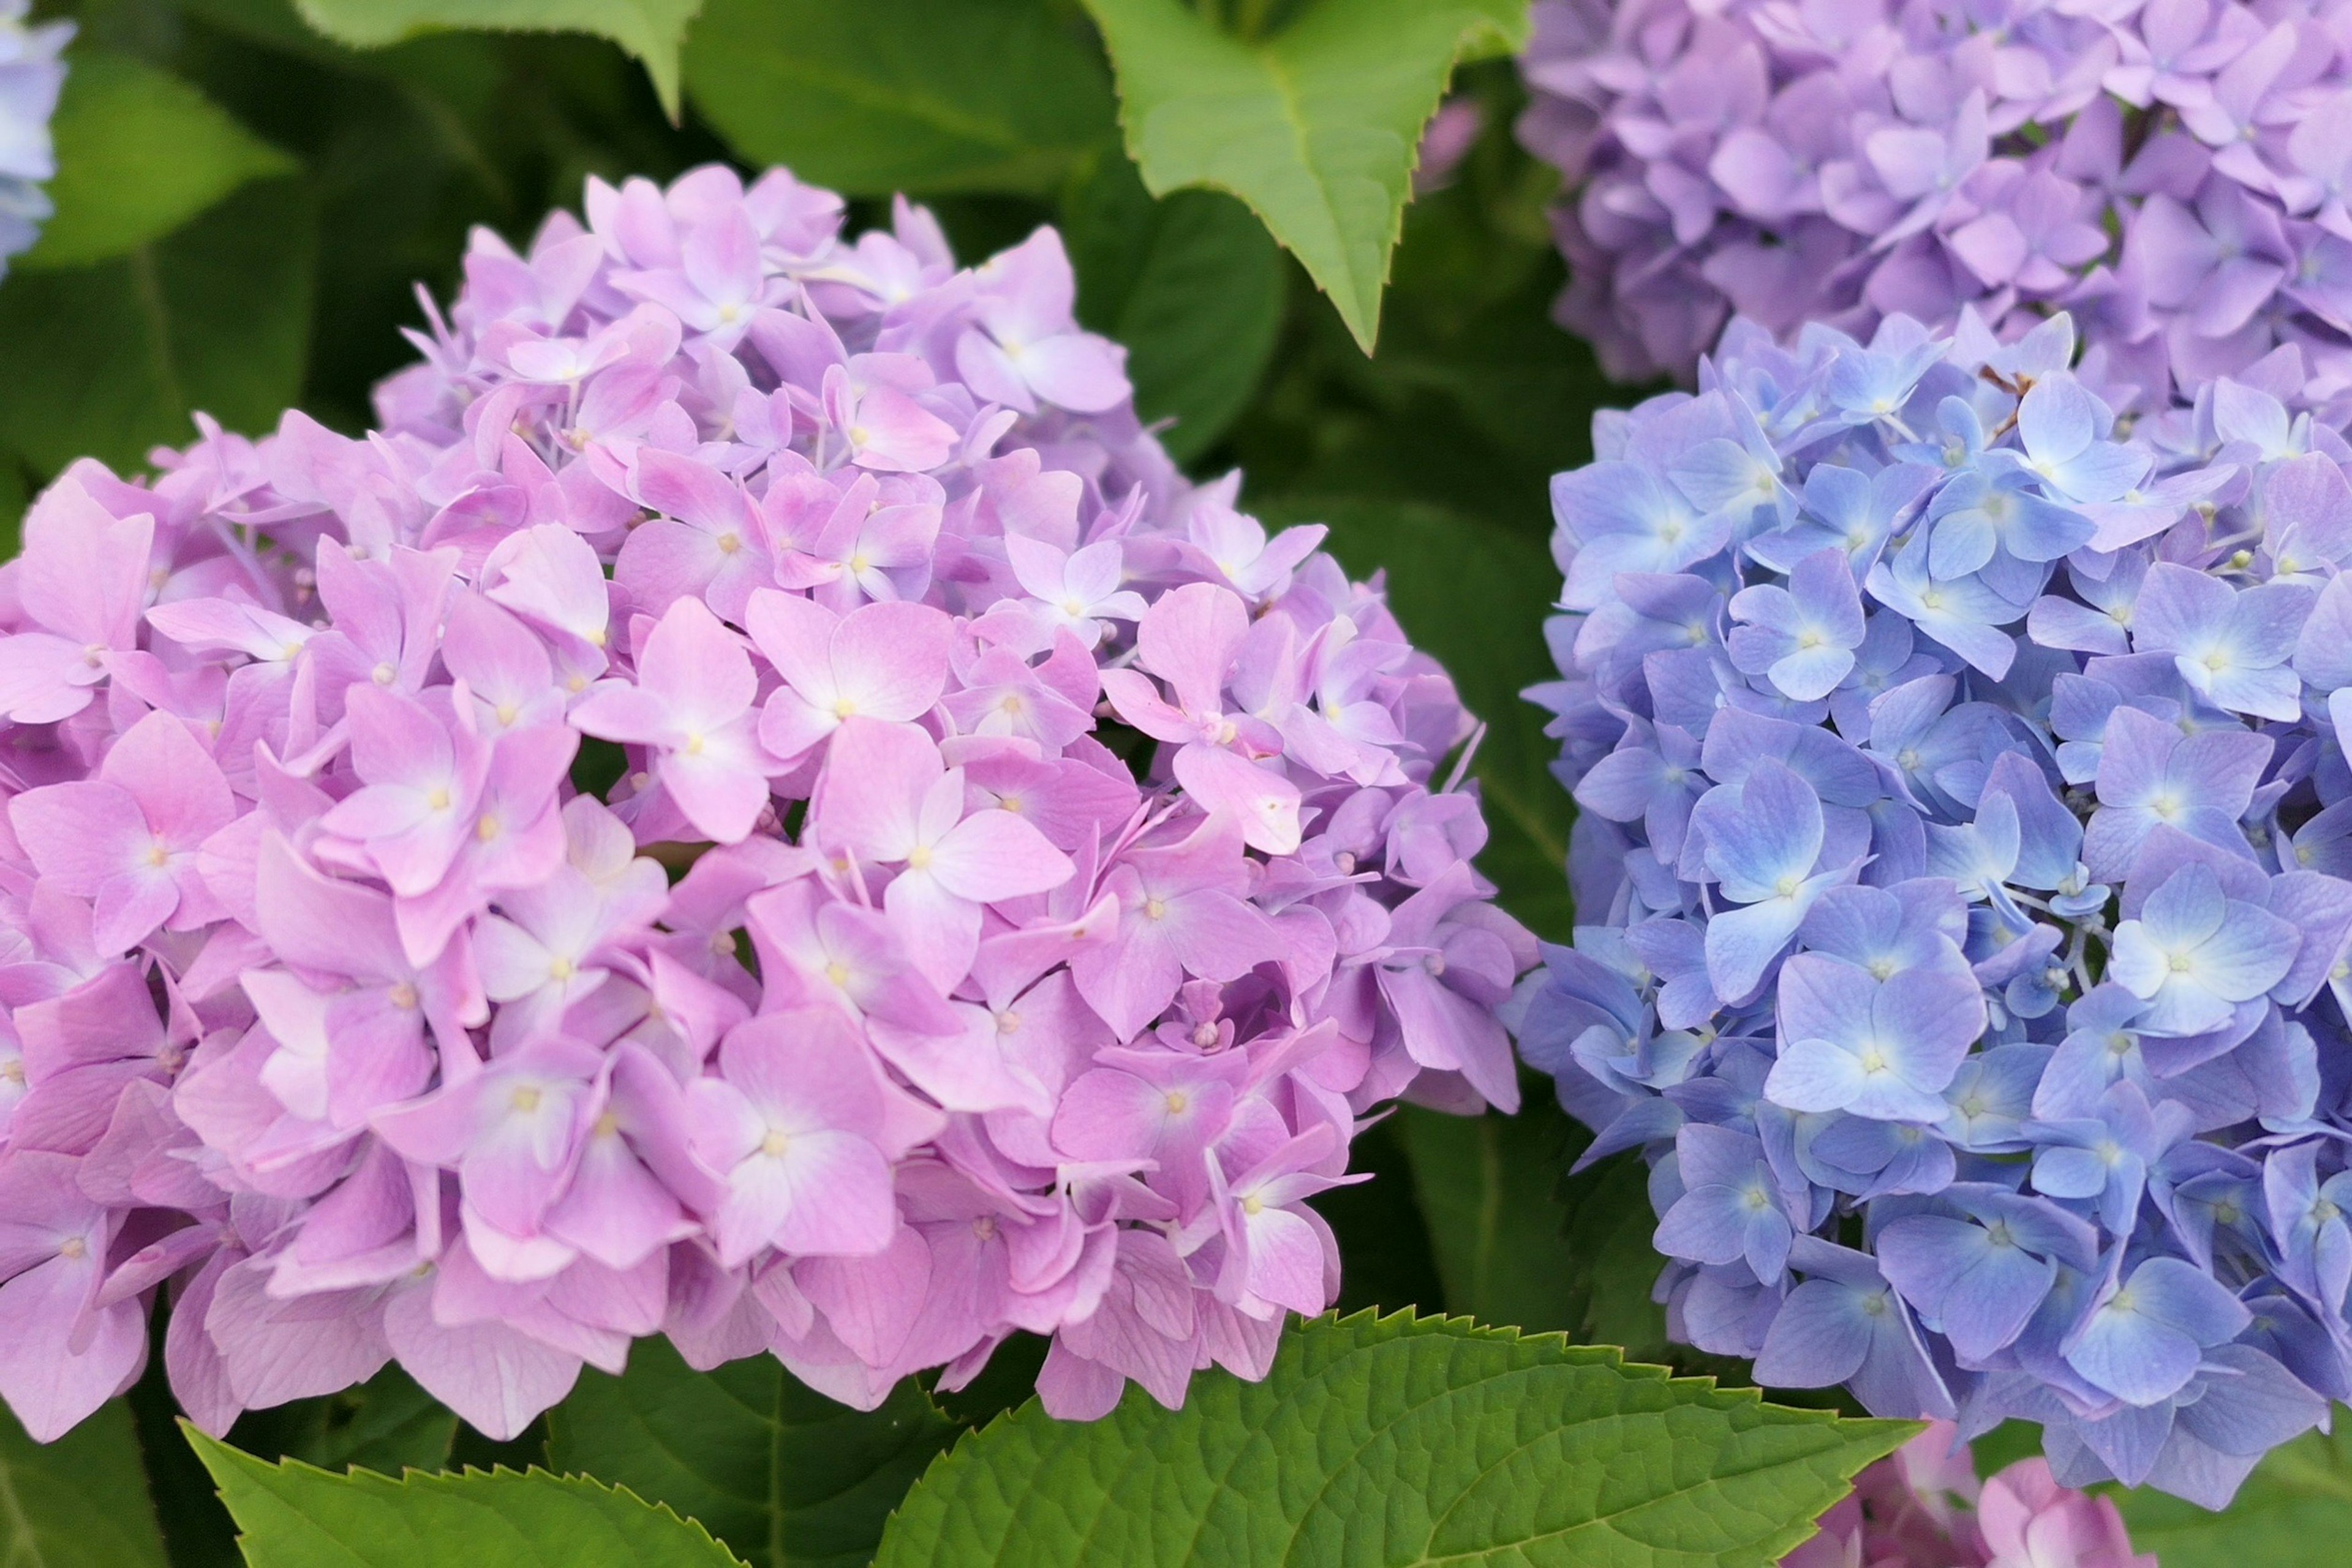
(1021, 870)
(1923, 1507)
(1963, 855)
(31, 74)
(2171, 172)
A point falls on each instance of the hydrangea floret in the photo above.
(32, 73)
(1962, 871)
(2171, 172)
(757, 806)
(1923, 1507)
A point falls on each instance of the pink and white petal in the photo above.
(722, 798)
(891, 659)
(1262, 800)
(498, 1379)
(50, 1387)
(81, 834)
(993, 855)
(839, 1199)
(273, 1351)
(941, 930)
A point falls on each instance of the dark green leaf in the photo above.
(1485, 1185)
(1613, 1263)
(198, 1530)
(139, 152)
(781, 1473)
(292, 1515)
(651, 30)
(387, 1424)
(2294, 1511)
(79, 1502)
(902, 95)
(1475, 596)
(1191, 284)
(109, 359)
(1317, 125)
(1397, 1441)
(1386, 1257)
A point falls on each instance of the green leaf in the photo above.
(1317, 126)
(1398, 1441)
(1191, 284)
(1485, 1185)
(109, 359)
(902, 95)
(1475, 596)
(293, 1515)
(779, 1473)
(650, 30)
(79, 1502)
(139, 152)
(2294, 1511)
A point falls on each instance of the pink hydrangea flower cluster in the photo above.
(2173, 172)
(1021, 875)
(1922, 1507)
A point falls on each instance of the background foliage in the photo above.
(249, 193)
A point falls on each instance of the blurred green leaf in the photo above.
(109, 359)
(2294, 1511)
(1315, 124)
(292, 1515)
(651, 30)
(902, 95)
(1474, 595)
(782, 1474)
(1485, 1185)
(79, 1502)
(387, 1424)
(139, 152)
(1397, 1441)
(1191, 284)
(1386, 1257)
(1607, 1223)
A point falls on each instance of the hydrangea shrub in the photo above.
(2171, 172)
(756, 806)
(31, 74)
(1962, 866)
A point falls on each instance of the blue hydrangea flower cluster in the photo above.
(1966, 857)
(31, 74)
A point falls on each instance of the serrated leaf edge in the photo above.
(1462, 1325)
(206, 1446)
(1476, 40)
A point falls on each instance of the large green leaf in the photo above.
(109, 359)
(1191, 283)
(1485, 1185)
(1475, 596)
(79, 1502)
(652, 30)
(1317, 125)
(293, 1515)
(902, 95)
(1397, 1441)
(139, 152)
(779, 1473)
(2294, 1511)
